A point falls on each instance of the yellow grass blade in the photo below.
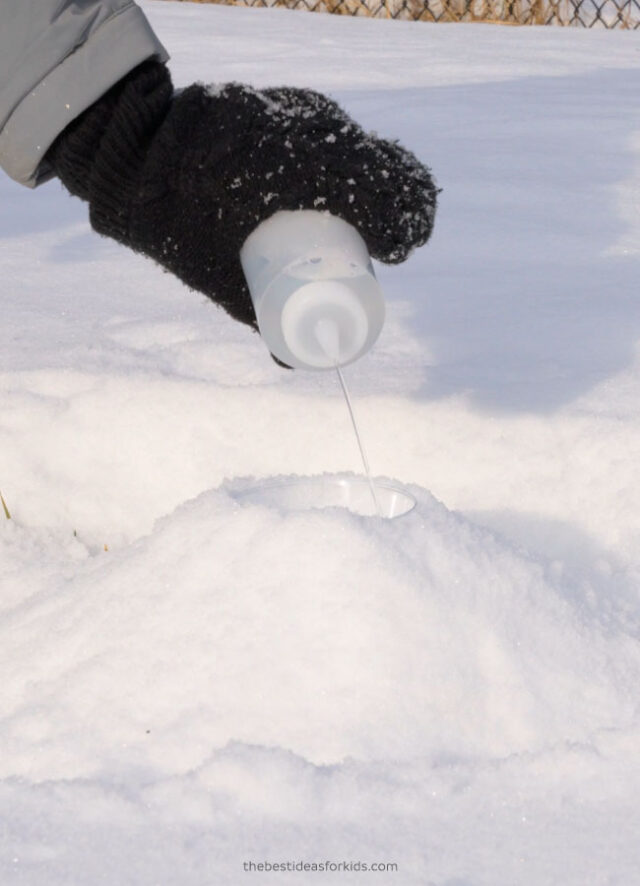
(4, 507)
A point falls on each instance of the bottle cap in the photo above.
(324, 324)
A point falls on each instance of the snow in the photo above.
(454, 691)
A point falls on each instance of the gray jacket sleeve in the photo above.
(56, 58)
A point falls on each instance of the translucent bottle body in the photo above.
(317, 301)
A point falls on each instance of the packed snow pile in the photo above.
(192, 678)
(325, 633)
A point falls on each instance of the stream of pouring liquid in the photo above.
(328, 337)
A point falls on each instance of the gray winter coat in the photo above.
(56, 58)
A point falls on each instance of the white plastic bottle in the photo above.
(317, 301)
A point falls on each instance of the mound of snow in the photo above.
(322, 632)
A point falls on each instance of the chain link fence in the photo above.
(584, 13)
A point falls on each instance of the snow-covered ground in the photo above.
(455, 692)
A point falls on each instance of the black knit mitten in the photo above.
(185, 178)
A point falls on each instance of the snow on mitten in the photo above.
(185, 177)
